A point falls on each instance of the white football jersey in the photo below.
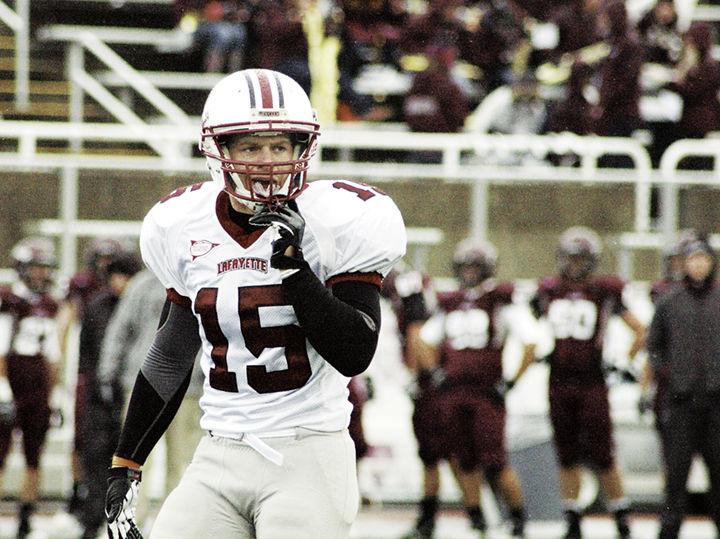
(261, 374)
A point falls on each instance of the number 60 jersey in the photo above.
(261, 374)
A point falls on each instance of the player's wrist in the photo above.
(123, 462)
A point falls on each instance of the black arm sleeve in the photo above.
(161, 383)
(341, 323)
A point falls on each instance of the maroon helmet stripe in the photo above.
(281, 97)
(251, 90)
(265, 91)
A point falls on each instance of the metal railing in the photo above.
(94, 40)
(464, 159)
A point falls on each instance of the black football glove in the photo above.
(120, 502)
(437, 377)
(290, 226)
(500, 390)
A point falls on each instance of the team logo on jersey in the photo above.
(243, 263)
(201, 248)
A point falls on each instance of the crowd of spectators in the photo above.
(586, 59)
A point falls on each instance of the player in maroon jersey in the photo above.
(578, 306)
(464, 341)
(412, 298)
(29, 359)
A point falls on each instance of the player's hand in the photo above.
(646, 402)
(437, 377)
(287, 251)
(120, 502)
(500, 390)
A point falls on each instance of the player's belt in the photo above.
(255, 441)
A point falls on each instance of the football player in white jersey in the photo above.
(277, 280)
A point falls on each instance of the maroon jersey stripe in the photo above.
(372, 278)
(175, 297)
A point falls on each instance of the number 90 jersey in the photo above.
(578, 313)
(261, 374)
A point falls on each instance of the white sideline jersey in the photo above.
(262, 377)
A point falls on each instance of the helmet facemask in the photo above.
(577, 266)
(266, 183)
(578, 253)
(35, 262)
(480, 256)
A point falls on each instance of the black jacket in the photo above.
(684, 340)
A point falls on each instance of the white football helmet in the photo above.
(35, 251)
(583, 245)
(258, 102)
(476, 253)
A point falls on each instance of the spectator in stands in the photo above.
(697, 80)
(662, 43)
(618, 112)
(100, 427)
(424, 28)
(572, 114)
(491, 44)
(435, 102)
(279, 41)
(352, 58)
(540, 10)
(219, 34)
(577, 27)
(374, 29)
(129, 334)
(523, 114)
(660, 36)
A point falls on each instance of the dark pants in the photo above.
(100, 438)
(690, 425)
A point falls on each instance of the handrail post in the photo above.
(22, 56)
(68, 216)
(75, 63)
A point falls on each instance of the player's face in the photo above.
(698, 266)
(578, 267)
(470, 275)
(39, 278)
(261, 176)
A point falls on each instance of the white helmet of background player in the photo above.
(578, 252)
(258, 102)
(477, 254)
(35, 251)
